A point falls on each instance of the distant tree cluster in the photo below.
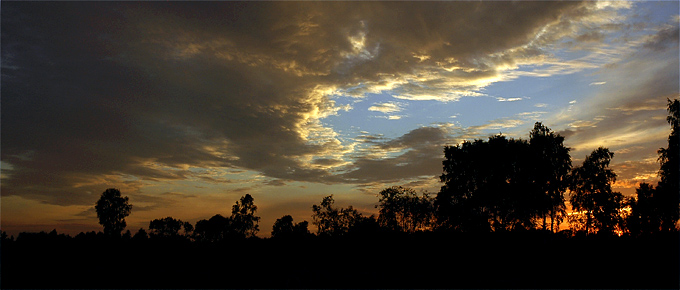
(170, 228)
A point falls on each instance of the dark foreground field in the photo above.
(429, 260)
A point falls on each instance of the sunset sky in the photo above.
(186, 107)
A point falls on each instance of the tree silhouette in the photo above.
(591, 192)
(284, 228)
(169, 227)
(667, 197)
(552, 164)
(140, 235)
(243, 219)
(188, 229)
(643, 218)
(111, 210)
(215, 229)
(658, 209)
(5, 239)
(401, 209)
(488, 186)
(331, 221)
(241, 224)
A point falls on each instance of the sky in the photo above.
(186, 107)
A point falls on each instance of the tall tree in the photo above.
(668, 190)
(243, 218)
(591, 192)
(112, 209)
(552, 164)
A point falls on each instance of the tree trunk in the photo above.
(544, 222)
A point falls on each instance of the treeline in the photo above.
(492, 185)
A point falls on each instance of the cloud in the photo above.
(631, 173)
(582, 124)
(597, 83)
(500, 99)
(509, 122)
(590, 36)
(389, 107)
(415, 154)
(656, 104)
(629, 112)
(666, 37)
(275, 182)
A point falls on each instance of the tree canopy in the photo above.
(491, 185)
(551, 164)
(284, 228)
(169, 227)
(332, 221)
(243, 218)
(401, 209)
(591, 192)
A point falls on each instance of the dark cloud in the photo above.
(590, 36)
(666, 37)
(275, 182)
(419, 154)
(178, 195)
